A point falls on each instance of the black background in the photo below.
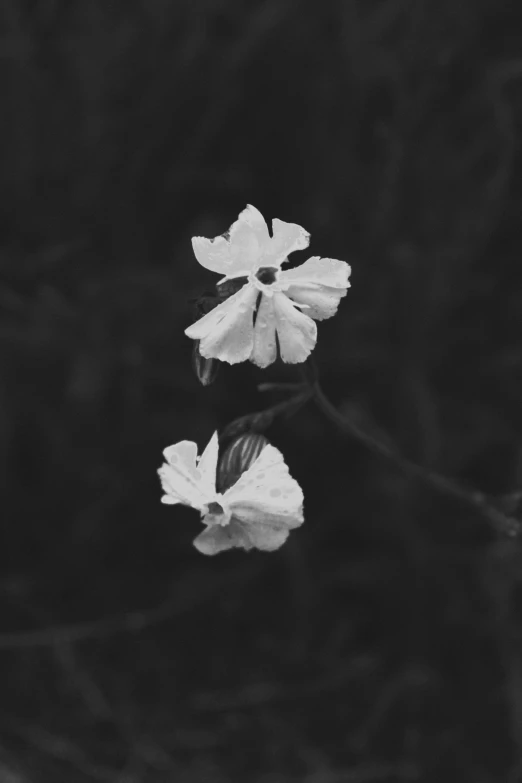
(382, 643)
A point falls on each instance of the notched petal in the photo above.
(317, 286)
(236, 251)
(319, 303)
(217, 538)
(264, 351)
(184, 480)
(287, 237)
(297, 333)
(182, 486)
(227, 332)
(183, 454)
(265, 537)
(266, 495)
(320, 271)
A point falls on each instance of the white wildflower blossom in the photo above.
(258, 511)
(288, 302)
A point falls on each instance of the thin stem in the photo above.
(261, 420)
(183, 599)
(478, 500)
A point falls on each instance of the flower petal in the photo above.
(180, 478)
(227, 332)
(321, 271)
(217, 538)
(287, 237)
(266, 498)
(185, 452)
(319, 283)
(321, 303)
(297, 332)
(265, 347)
(265, 535)
(236, 251)
(207, 464)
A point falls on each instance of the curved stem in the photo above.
(478, 500)
(260, 420)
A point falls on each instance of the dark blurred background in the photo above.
(382, 643)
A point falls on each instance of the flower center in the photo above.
(266, 275)
(216, 514)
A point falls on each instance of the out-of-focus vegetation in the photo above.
(383, 642)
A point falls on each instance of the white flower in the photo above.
(258, 511)
(289, 299)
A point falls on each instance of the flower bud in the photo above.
(238, 457)
(205, 369)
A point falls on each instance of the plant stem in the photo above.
(259, 421)
(502, 522)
